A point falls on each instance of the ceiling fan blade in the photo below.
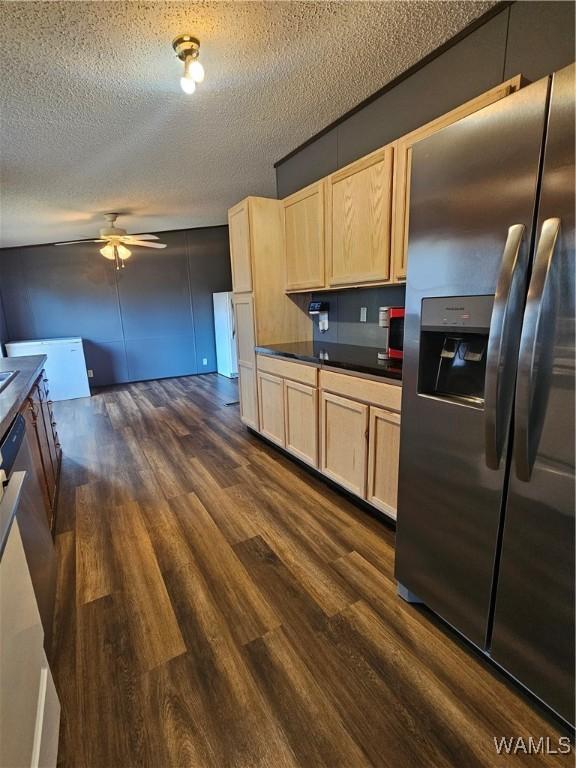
(74, 242)
(141, 244)
(142, 237)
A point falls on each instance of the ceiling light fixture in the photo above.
(116, 252)
(116, 239)
(188, 50)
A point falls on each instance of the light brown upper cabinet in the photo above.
(256, 232)
(358, 220)
(403, 161)
(304, 238)
(239, 234)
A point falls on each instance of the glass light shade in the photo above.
(123, 252)
(196, 71)
(108, 251)
(187, 84)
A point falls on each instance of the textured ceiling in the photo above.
(93, 118)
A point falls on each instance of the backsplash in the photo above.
(344, 324)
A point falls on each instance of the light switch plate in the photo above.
(363, 311)
(90, 373)
(204, 361)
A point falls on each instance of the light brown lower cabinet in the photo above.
(245, 341)
(349, 439)
(271, 407)
(44, 444)
(301, 421)
(247, 394)
(344, 441)
(383, 457)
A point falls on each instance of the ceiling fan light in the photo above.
(196, 70)
(123, 252)
(108, 251)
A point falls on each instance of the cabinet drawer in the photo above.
(387, 396)
(305, 374)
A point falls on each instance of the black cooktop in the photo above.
(347, 356)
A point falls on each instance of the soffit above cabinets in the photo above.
(93, 118)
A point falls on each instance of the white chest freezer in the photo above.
(65, 364)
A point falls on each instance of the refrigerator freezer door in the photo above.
(533, 635)
(225, 334)
(470, 184)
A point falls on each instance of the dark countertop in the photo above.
(346, 356)
(17, 390)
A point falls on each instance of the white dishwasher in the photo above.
(65, 364)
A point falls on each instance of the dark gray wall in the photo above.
(344, 324)
(150, 320)
(529, 38)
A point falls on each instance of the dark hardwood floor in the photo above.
(219, 606)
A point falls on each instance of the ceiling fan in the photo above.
(116, 240)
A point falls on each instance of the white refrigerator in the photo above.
(225, 333)
(65, 364)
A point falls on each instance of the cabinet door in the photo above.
(244, 318)
(383, 457)
(50, 424)
(403, 167)
(239, 234)
(39, 433)
(29, 412)
(344, 437)
(304, 238)
(359, 220)
(271, 407)
(247, 395)
(301, 421)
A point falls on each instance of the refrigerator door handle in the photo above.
(536, 346)
(503, 343)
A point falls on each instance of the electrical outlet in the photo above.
(204, 361)
(90, 373)
(363, 311)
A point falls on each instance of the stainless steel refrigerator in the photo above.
(486, 487)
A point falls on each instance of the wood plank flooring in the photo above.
(220, 606)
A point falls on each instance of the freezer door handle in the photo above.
(503, 342)
(536, 352)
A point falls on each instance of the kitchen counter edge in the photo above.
(363, 370)
(12, 397)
